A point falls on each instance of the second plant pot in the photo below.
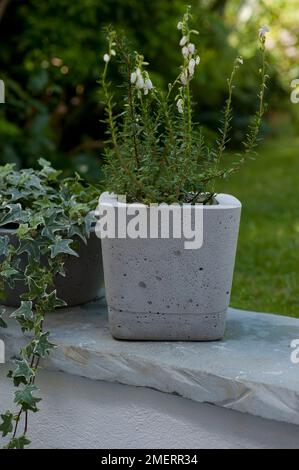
(158, 290)
(84, 275)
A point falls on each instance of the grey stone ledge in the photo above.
(249, 371)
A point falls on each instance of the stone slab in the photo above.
(250, 370)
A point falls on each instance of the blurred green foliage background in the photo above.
(51, 54)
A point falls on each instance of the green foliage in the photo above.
(2, 322)
(6, 426)
(62, 246)
(49, 62)
(266, 275)
(49, 215)
(25, 399)
(18, 443)
(155, 151)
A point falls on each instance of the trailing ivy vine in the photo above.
(50, 216)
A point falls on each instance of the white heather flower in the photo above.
(145, 90)
(191, 48)
(191, 66)
(148, 84)
(180, 25)
(133, 77)
(138, 72)
(106, 58)
(185, 51)
(184, 77)
(183, 41)
(197, 60)
(180, 105)
(240, 60)
(263, 31)
(140, 82)
(113, 52)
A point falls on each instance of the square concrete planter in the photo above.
(158, 290)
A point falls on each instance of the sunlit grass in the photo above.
(267, 267)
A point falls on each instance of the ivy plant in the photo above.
(155, 151)
(49, 215)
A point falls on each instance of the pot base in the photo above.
(166, 326)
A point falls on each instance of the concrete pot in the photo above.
(158, 290)
(84, 275)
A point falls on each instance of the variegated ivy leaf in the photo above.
(62, 246)
(31, 247)
(48, 171)
(23, 231)
(4, 242)
(44, 163)
(51, 301)
(90, 220)
(74, 230)
(18, 443)
(36, 220)
(3, 324)
(26, 399)
(6, 426)
(23, 373)
(15, 214)
(42, 346)
(54, 223)
(6, 169)
(24, 315)
(11, 274)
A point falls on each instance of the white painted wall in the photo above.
(80, 413)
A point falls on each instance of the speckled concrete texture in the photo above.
(84, 274)
(158, 290)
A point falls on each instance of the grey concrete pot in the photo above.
(157, 290)
(84, 275)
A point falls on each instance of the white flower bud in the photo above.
(263, 31)
(240, 60)
(113, 52)
(148, 84)
(133, 77)
(197, 60)
(179, 25)
(191, 66)
(140, 82)
(106, 58)
(191, 48)
(138, 72)
(183, 41)
(180, 106)
(184, 77)
(185, 51)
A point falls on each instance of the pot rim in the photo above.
(225, 201)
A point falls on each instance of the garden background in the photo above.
(50, 60)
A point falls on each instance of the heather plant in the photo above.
(155, 151)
